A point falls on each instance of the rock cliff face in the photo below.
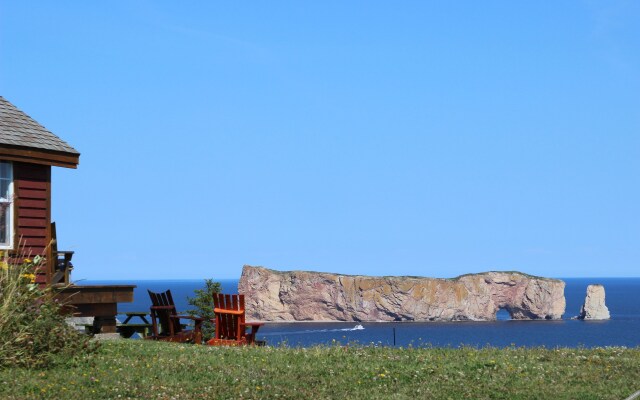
(315, 296)
(594, 307)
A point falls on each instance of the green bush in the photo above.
(33, 331)
(203, 303)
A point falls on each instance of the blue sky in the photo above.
(412, 138)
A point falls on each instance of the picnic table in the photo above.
(127, 328)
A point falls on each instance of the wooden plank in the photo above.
(34, 160)
(31, 251)
(34, 242)
(92, 297)
(234, 305)
(33, 232)
(30, 254)
(227, 301)
(236, 319)
(230, 318)
(23, 172)
(32, 194)
(26, 222)
(105, 324)
(22, 184)
(154, 298)
(32, 170)
(162, 299)
(98, 294)
(33, 213)
(96, 309)
(32, 203)
(26, 172)
(39, 156)
(141, 325)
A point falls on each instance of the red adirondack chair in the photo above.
(165, 321)
(231, 327)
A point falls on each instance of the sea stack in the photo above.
(594, 307)
(319, 296)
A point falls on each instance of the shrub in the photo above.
(203, 303)
(33, 331)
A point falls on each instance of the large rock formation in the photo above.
(316, 296)
(594, 306)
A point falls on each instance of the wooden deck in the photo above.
(98, 301)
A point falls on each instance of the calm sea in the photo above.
(623, 329)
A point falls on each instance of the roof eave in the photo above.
(39, 156)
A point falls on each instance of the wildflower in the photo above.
(28, 260)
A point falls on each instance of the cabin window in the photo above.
(6, 205)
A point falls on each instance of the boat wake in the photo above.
(310, 331)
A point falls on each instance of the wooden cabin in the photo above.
(27, 153)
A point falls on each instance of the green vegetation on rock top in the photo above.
(409, 276)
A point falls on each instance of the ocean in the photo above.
(623, 329)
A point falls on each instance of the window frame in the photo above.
(8, 245)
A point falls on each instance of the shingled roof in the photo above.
(21, 134)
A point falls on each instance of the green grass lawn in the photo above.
(151, 370)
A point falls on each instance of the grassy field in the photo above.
(151, 370)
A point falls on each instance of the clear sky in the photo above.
(382, 138)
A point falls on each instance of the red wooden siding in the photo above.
(32, 188)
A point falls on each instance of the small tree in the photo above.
(203, 303)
